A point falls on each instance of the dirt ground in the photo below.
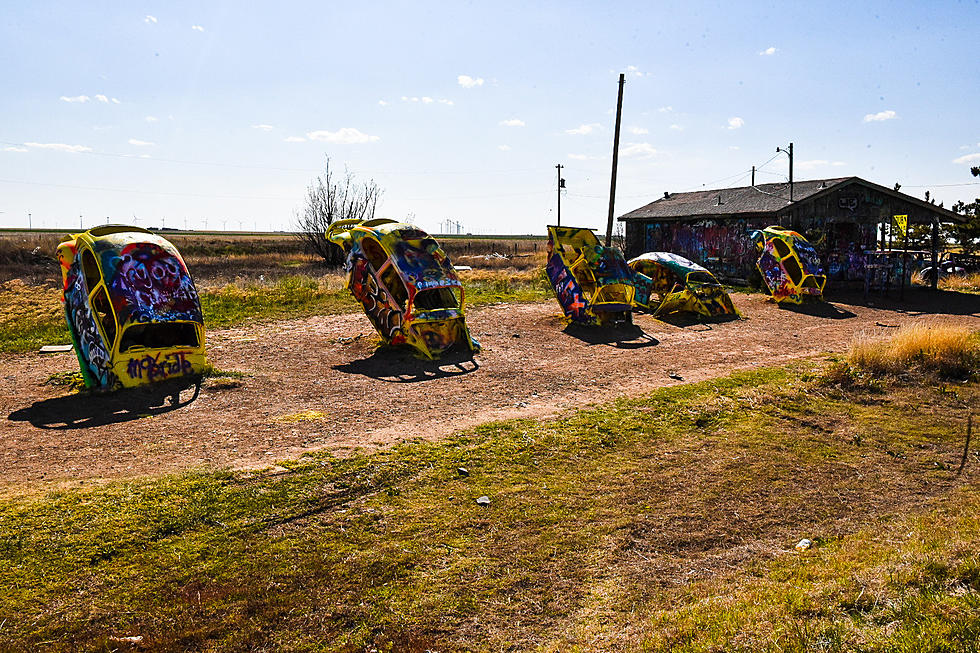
(319, 383)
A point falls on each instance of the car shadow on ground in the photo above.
(398, 365)
(86, 409)
(628, 336)
(917, 301)
(685, 320)
(819, 309)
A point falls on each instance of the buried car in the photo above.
(593, 283)
(132, 309)
(678, 285)
(789, 265)
(406, 283)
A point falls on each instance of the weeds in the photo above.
(944, 350)
(961, 282)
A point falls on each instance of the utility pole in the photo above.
(789, 152)
(615, 160)
(753, 176)
(30, 226)
(561, 184)
(80, 222)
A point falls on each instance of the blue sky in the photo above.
(219, 114)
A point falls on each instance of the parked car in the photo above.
(593, 283)
(406, 283)
(682, 286)
(789, 265)
(131, 306)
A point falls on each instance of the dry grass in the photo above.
(946, 350)
(961, 282)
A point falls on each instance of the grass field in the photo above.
(665, 523)
(31, 315)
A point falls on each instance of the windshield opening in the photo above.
(433, 299)
(159, 335)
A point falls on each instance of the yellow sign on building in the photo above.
(902, 221)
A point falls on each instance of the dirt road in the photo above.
(318, 383)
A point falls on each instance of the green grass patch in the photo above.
(660, 523)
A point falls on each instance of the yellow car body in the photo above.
(406, 284)
(131, 306)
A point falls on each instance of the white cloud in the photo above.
(734, 147)
(768, 52)
(101, 98)
(150, 19)
(139, 143)
(60, 147)
(665, 109)
(513, 122)
(967, 158)
(343, 136)
(294, 139)
(382, 103)
(469, 82)
(265, 128)
(638, 130)
(677, 128)
(634, 71)
(197, 28)
(641, 150)
(414, 99)
(838, 163)
(880, 116)
(578, 157)
(151, 119)
(12, 148)
(145, 156)
(75, 98)
(115, 101)
(504, 148)
(583, 129)
(735, 122)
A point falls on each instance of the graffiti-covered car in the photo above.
(678, 285)
(789, 265)
(131, 306)
(593, 283)
(406, 283)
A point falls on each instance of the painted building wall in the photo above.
(841, 226)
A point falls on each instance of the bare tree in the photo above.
(329, 199)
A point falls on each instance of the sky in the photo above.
(218, 115)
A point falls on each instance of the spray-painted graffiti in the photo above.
(789, 265)
(159, 366)
(148, 283)
(90, 347)
(125, 291)
(378, 305)
(567, 290)
(725, 248)
(406, 283)
(682, 286)
(593, 284)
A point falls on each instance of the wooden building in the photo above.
(841, 217)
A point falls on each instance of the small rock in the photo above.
(804, 544)
(462, 471)
(483, 501)
(135, 639)
(675, 375)
(521, 404)
(516, 335)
